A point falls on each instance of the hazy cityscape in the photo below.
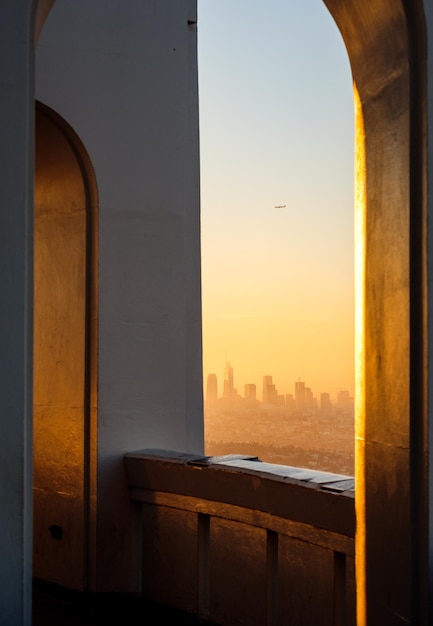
(299, 428)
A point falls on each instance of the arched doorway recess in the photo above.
(64, 351)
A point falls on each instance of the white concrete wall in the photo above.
(124, 76)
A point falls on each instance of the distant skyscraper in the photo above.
(212, 388)
(269, 391)
(267, 384)
(300, 396)
(309, 399)
(250, 392)
(344, 401)
(325, 402)
(228, 381)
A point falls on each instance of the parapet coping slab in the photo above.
(327, 481)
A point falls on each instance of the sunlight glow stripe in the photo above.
(360, 277)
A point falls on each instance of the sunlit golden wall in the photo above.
(60, 266)
(389, 327)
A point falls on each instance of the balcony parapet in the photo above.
(237, 540)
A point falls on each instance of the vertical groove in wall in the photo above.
(203, 564)
(271, 578)
(340, 604)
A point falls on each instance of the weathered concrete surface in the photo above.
(244, 542)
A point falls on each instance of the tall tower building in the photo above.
(212, 388)
(250, 392)
(325, 402)
(300, 396)
(344, 401)
(267, 384)
(309, 399)
(228, 381)
(269, 391)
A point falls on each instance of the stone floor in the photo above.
(53, 607)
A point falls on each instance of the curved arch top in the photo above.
(64, 351)
(375, 35)
(43, 7)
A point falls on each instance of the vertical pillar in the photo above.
(16, 200)
(390, 308)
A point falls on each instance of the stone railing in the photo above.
(238, 541)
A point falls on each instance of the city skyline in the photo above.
(268, 392)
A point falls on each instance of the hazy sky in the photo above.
(276, 127)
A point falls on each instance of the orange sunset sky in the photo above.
(276, 128)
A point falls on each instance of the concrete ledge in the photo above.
(320, 499)
(237, 541)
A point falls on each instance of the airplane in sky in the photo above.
(279, 206)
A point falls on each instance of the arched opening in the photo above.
(388, 55)
(387, 50)
(64, 351)
(277, 234)
(376, 37)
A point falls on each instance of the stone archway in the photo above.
(64, 365)
(384, 43)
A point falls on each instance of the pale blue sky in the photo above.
(276, 127)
